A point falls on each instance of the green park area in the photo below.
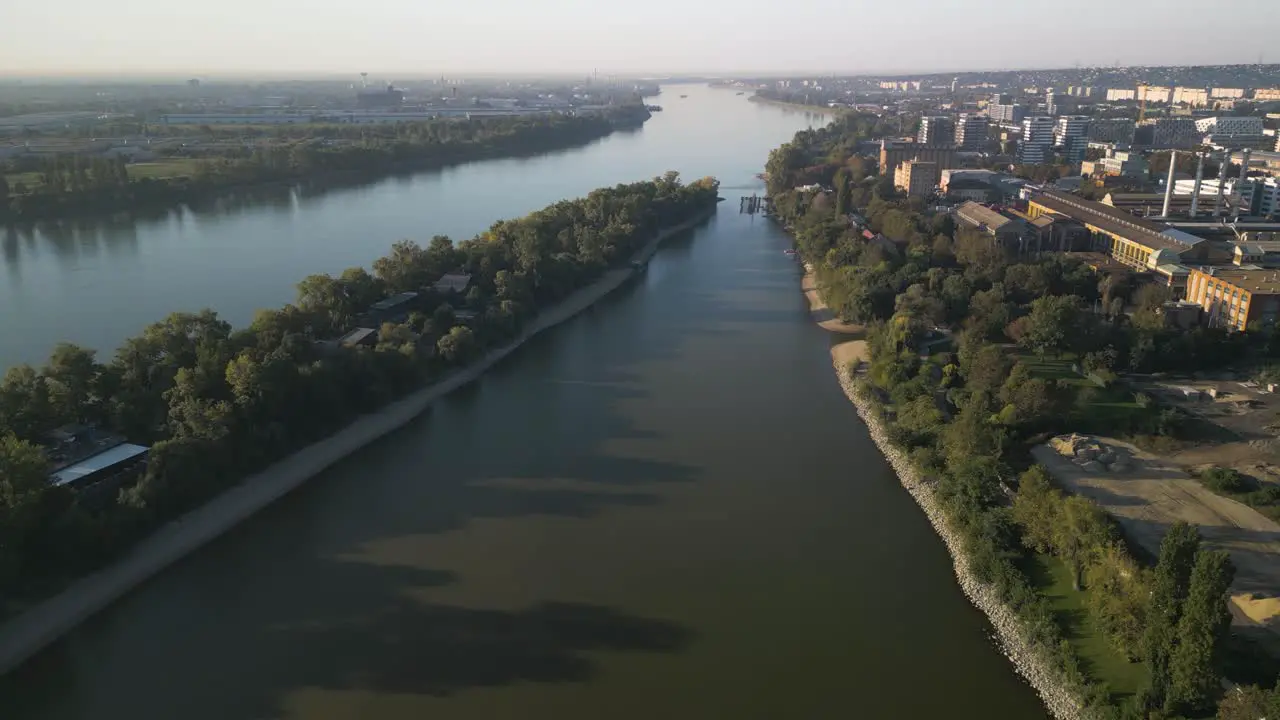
(1098, 657)
(164, 168)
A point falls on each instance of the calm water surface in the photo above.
(662, 509)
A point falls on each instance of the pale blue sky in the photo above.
(429, 36)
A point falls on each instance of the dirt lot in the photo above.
(1153, 493)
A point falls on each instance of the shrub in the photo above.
(1269, 495)
(1224, 480)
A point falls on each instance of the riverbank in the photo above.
(170, 192)
(27, 634)
(795, 106)
(1008, 630)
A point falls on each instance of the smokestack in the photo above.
(1244, 173)
(1222, 182)
(1168, 183)
(1195, 191)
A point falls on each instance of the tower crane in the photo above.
(1142, 101)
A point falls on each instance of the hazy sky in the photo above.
(431, 36)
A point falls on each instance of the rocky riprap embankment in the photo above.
(1060, 703)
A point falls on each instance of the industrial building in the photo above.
(917, 178)
(1236, 298)
(388, 97)
(1117, 163)
(1251, 196)
(1139, 243)
(84, 457)
(236, 118)
(936, 130)
(393, 309)
(1037, 140)
(1005, 231)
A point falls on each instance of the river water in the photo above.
(663, 508)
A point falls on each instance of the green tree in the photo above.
(72, 377)
(1202, 633)
(1054, 325)
(1080, 530)
(1036, 509)
(406, 268)
(1250, 702)
(25, 406)
(458, 346)
(1170, 584)
(24, 478)
(842, 184)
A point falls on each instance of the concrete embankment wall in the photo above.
(28, 633)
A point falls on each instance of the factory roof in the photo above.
(976, 214)
(357, 336)
(1253, 280)
(452, 282)
(1113, 220)
(394, 301)
(95, 463)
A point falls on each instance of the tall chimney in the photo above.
(1222, 182)
(1195, 191)
(1168, 183)
(1244, 173)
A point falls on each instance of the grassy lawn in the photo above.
(1049, 367)
(169, 167)
(1099, 660)
(30, 179)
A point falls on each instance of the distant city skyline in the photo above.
(573, 37)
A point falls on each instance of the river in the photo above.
(663, 508)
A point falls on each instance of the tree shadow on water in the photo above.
(438, 650)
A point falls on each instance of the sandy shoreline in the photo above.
(28, 633)
(844, 352)
(1059, 702)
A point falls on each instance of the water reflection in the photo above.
(245, 250)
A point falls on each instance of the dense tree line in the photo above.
(74, 184)
(968, 414)
(217, 403)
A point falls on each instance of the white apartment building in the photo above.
(1070, 135)
(1037, 140)
(916, 177)
(1121, 94)
(1266, 94)
(971, 131)
(936, 130)
(1227, 93)
(1196, 97)
(1155, 94)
